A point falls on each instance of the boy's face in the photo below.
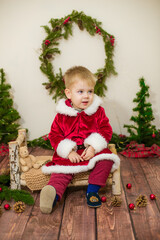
(81, 94)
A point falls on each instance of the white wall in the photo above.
(136, 26)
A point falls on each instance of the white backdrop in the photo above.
(136, 27)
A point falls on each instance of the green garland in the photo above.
(120, 141)
(62, 28)
(18, 195)
(43, 142)
(5, 179)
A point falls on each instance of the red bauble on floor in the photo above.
(152, 197)
(7, 207)
(129, 185)
(131, 206)
(103, 199)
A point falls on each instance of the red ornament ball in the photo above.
(131, 206)
(153, 135)
(103, 199)
(0, 189)
(129, 185)
(152, 197)
(7, 207)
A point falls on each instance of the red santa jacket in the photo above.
(71, 128)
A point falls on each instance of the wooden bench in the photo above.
(40, 179)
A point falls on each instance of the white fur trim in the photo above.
(97, 141)
(65, 147)
(62, 108)
(97, 101)
(84, 168)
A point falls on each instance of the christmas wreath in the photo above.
(62, 28)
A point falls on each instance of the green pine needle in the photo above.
(17, 195)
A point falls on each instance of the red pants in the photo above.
(98, 176)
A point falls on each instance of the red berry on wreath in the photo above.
(152, 197)
(7, 207)
(66, 21)
(103, 199)
(129, 185)
(47, 42)
(0, 189)
(131, 206)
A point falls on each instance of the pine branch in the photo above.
(47, 29)
(18, 195)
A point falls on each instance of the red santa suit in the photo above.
(72, 128)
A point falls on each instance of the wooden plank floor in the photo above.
(73, 219)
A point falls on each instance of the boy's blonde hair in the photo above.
(79, 71)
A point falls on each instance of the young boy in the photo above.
(79, 135)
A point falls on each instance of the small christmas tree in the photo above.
(8, 115)
(143, 131)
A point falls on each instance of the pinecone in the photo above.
(100, 77)
(48, 85)
(116, 201)
(80, 24)
(49, 56)
(57, 28)
(19, 207)
(141, 201)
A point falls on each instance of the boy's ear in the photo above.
(68, 93)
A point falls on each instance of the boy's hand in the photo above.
(88, 153)
(74, 157)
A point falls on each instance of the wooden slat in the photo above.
(37, 151)
(78, 219)
(1, 158)
(146, 224)
(113, 222)
(12, 224)
(151, 168)
(43, 226)
(73, 219)
(4, 164)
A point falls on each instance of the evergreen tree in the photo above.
(8, 115)
(142, 131)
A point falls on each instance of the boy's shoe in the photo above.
(47, 197)
(93, 200)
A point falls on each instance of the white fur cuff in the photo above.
(97, 141)
(65, 147)
(83, 168)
